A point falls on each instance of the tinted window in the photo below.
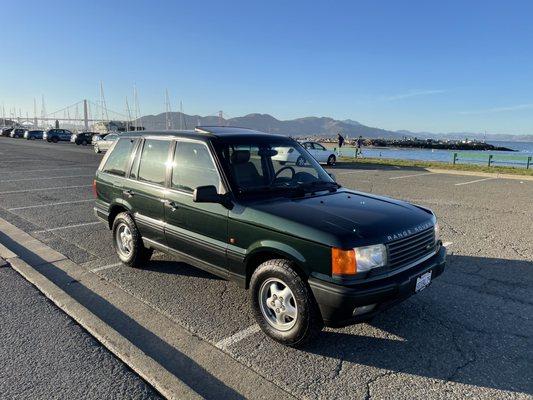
(117, 161)
(152, 164)
(193, 167)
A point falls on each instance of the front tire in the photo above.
(283, 304)
(128, 242)
(96, 149)
(332, 160)
(300, 161)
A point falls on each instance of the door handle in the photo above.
(171, 204)
(128, 193)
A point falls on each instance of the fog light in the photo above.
(363, 309)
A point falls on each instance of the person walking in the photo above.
(358, 148)
(341, 140)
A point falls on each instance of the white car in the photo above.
(319, 152)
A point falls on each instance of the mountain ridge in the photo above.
(309, 126)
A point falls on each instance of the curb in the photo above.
(177, 363)
(487, 174)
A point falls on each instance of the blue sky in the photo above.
(417, 65)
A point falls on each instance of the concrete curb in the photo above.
(484, 174)
(175, 362)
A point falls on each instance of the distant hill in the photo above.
(307, 126)
(311, 126)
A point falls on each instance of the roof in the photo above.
(205, 132)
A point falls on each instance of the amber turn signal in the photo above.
(343, 262)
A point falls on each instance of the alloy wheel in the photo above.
(278, 304)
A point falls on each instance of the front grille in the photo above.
(407, 250)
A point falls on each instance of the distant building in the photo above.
(114, 126)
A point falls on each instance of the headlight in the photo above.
(437, 231)
(370, 257)
(359, 259)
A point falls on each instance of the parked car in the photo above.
(83, 138)
(33, 134)
(17, 133)
(310, 251)
(57, 135)
(6, 131)
(98, 136)
(105, 143)
(319, 152)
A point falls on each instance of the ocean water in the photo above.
(516, 158)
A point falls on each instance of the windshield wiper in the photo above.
(320, 185)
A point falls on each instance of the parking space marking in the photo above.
(49, 204)
(50, 169)
(41, 189)
(477, 180)
(237, 337)
(105, 267)
(411, 176)
(49, 177)
(447, 244)
(21, 160)
(68, 227)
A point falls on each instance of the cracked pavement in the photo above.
(468, 335)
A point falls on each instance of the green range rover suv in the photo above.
(311, 252)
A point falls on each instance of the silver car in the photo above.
(105, 143)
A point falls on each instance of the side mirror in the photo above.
(206, 194)
(209, 194)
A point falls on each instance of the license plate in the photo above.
(423, 281)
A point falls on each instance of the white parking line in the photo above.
(105, 267)
(410, 176)
(68, 227)
(447, 244)
(477, 180)
(50, 169)
(49, 204)
(48, 177)
(19, 161)
(237, 337)
(41, 189)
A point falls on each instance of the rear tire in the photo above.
(300, 161)
(84, 143)
(55, 140)
(283, 305)
(127, 241)
(332, 160)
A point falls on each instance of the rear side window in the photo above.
(152, 165)
(193, 167)
(117, 162)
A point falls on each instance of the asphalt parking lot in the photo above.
(468, 335)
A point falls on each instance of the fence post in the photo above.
(490, 159)
(528, 162)
(454, 158)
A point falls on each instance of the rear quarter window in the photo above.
(153, 161)
(118, 158)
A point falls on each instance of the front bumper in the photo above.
(337, 302)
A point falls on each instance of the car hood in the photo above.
(344, 218)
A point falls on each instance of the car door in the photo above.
(199, 230)
(320, 152)
(145, 191)
(309, 147)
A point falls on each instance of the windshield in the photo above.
(267, 166)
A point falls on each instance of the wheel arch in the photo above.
(115, 209)
(270, 251)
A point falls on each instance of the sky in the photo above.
(454, 66)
